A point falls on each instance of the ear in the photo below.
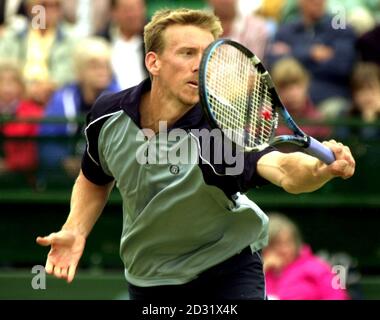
(152, 63)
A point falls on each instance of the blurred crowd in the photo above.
(57, 57)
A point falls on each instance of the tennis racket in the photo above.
(238, 97)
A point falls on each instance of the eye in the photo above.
(187, 52)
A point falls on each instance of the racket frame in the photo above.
(299, 138)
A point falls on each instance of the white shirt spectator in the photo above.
(127, 62)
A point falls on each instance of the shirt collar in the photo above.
(194, 118)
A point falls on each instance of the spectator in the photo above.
(19, 155)
(292, 271)
(365, 86)
(88, 16)
(292, 83)
(43, 51)
(93, 77)
(326, 52)
(125, 33)
(272, 9)
(291, 10)
(250, 30)
(362, 20)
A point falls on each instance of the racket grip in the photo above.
(318, 150)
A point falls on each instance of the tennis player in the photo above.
(187, 230)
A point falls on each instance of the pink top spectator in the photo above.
(307, 278)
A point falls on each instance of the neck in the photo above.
(126, 34)
(227, 26)
(89, 94)
(309, 21)
(46, 30)
(227, 21)
(156, 106)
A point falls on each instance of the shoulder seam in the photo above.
(88, 126)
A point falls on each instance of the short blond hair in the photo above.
(90, 48)
(288, 71)
(162, 19)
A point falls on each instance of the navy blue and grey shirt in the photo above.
(179, 217)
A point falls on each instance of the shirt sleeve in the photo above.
(236, 171)
(250, 177)
(91, 166)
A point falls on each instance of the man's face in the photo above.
(130, 15)
(313, 9)
(53, 10)
(178, 64)
(284, 247)
(96, 73)
(294, 96)
(367, 98)
(224, 9)
(10, 87)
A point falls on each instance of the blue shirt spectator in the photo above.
(326, 48)
(327, 53)
(92, 58)
(93, 78)
(69, 102)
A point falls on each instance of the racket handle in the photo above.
(318, 150)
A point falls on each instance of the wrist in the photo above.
(75, 228)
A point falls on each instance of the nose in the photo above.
(197, 62)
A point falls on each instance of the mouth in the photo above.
(193, 84)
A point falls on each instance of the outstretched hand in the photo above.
(66, 250)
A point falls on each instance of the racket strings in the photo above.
(225, 76)
(239, 97)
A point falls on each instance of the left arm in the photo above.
(298, 172)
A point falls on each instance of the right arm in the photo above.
(88, 198)
(67, 245)
(87, 203)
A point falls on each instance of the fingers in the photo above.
(49, 267)
(53, 238)
(71, 273)
(336, 147)
(339, 168)
(60, 272)
(63, 273)
(344, 166)
(45, 241)
(57, 272)
(348, 156)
